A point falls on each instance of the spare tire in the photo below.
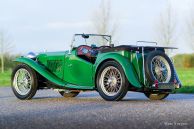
(158, 67)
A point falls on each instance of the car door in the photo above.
(78, 71)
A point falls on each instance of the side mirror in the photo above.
(85, 36)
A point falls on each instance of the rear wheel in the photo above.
(111, 81)
(157, 96)
(69, 94)
(24, 82)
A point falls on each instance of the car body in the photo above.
(87, 66)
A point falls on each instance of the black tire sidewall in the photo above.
(164, 95)
(149, 73)
(69, 95)
(124, 86)
(33, 89)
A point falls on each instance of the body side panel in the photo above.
(78, 71)
(122, 57)
(41, 70)
(53, 61)
(48, 75)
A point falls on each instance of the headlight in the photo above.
(31, 55)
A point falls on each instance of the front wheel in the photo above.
(111, 81)
(24, 82)
(156, 96)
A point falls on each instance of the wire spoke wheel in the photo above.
(161, 69)
(22, 81)
(111, 81)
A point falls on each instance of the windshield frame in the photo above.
(73, 39)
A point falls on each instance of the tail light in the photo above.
(175, 81)
(156, 83)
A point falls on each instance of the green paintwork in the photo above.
(125, 59)
(70, 71)
(54, 62)
(41, 70)
(68, 67)
(78, 71)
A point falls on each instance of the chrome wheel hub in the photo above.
(161, 69)
(111, 81)
(22, 81)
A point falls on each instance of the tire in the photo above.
(68, 95)
(158, 96)
(27, 87)
(119, 83)
(153, 75)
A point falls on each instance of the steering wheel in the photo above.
(89, 51)
(84, 50)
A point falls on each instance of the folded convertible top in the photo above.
(134, 48)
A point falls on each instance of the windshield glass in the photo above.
(91, 39)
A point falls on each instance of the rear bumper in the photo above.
(168, 86)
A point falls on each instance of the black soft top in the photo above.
(134, 48)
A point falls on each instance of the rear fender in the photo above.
(126, 65)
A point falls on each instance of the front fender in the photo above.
(126, 65)
(41, 70)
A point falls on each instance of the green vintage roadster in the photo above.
(94, 63)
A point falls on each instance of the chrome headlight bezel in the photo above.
(31, 55)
